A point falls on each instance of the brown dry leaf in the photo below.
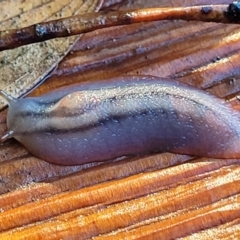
(22, 68)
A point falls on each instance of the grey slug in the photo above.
(127, 116)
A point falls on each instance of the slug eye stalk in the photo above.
(89, 22)
(7, 97)
(9, 100)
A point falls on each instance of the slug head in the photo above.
(17, 122)
(10, 100)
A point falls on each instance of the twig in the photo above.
(89, 22)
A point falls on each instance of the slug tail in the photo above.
(7, 97)
(7, 135)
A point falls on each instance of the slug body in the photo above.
(126, 116)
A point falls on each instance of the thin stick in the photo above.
(89, 22)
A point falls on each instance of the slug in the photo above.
(123, 117)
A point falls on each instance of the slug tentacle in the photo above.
(7, 135)
(125, 116)
(7, 97)
(10, 100)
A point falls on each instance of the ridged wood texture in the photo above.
(164, 196)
